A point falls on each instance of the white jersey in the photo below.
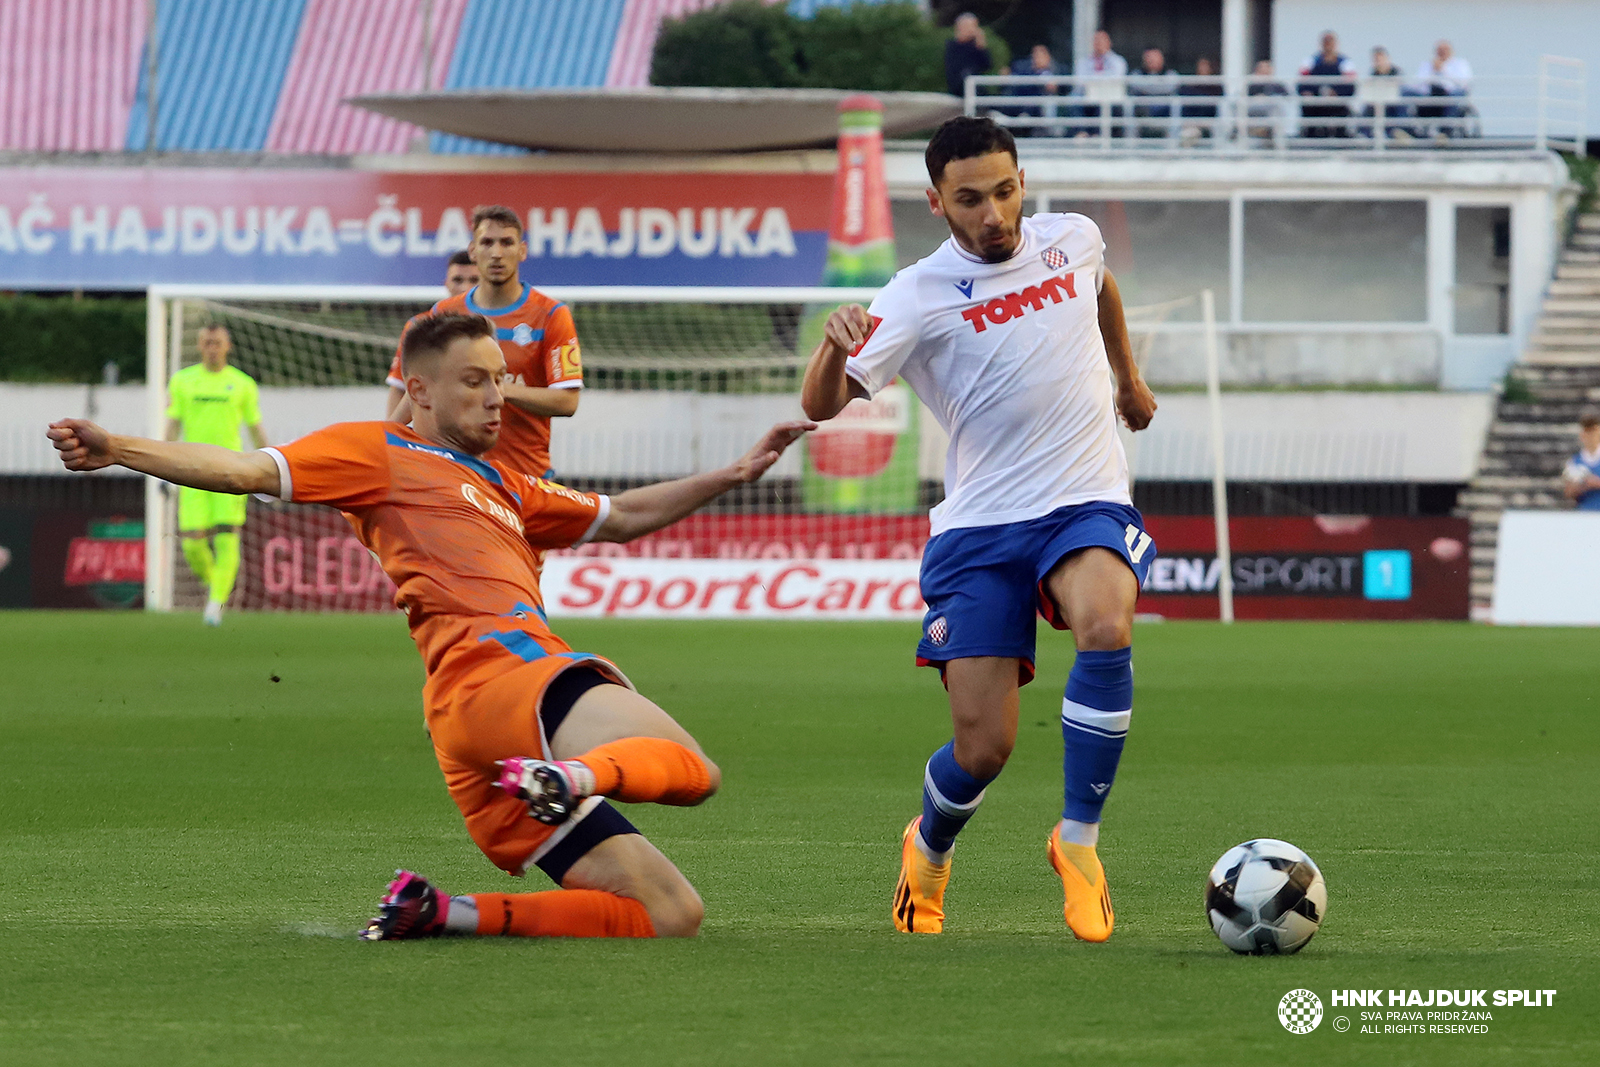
(1009, 358)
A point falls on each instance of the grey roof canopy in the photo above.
(667, 120)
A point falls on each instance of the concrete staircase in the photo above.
(1535, 427)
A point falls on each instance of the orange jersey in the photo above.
(459, 536)
(540, 345)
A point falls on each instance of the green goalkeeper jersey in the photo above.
(210, 406)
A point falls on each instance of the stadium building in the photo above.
(1403, 284)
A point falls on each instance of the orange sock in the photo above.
(561, 913)
(648, 769)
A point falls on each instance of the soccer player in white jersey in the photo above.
(1012, 332)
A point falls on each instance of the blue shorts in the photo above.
(983, 585)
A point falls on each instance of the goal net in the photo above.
(676, 381)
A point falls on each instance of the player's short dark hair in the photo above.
(207, 327)
(496, 213)
(462, 258)
(429, 336)
(965, 137)
(1589, 417)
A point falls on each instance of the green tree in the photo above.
(871, 47)
(876, 47)
(745, 43)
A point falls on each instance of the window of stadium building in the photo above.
(1335, 261)
(1159, 250)
(1483, 270)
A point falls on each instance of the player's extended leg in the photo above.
(614, 882)
(983, 711)
(613, 743)
(1094, 592)
(623, 887)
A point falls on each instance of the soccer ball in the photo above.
(1265, 897)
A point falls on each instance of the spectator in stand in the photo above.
(1206, 113)
(1580, 482)
(1038, 63)
(1153, 78)
(1259, 86)
(1101, 62)
(1328, 63)
(965, 54)
(1383, 67)
(1446, 74)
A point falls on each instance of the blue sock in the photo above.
(1094, 723)
(949, 797)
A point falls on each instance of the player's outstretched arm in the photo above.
(1135, 403)
(649, 508)
(83, 446)
(827, 388)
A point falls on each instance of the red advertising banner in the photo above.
(91, 560)
(126, 227)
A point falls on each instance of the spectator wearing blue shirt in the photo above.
(1580, 482)
(1328, 63)
(1038, 63)
(965, 54)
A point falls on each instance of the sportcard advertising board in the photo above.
(865, 567)
(128, 227)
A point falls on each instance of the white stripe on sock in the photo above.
(938, 859)
(944, 803)
(461, 917)
(1100, 722)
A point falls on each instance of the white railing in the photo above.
(1143, 113)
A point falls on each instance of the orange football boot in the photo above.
(919, 895)
(1088, 900)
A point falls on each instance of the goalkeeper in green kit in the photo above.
(207, 404)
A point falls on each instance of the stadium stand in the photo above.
(202, 46)
(346, 49)
(1536, 419)
(67, 73)
(76, 70)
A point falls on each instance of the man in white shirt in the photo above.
(1011, 333)
(1446, 74)
(1101, 62)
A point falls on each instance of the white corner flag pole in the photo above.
(1219, 480)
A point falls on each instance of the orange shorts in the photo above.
(483, 705)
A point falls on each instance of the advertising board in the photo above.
(128, 227)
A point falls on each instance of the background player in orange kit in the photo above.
(521, 724)
(536, 336)
(460, 274)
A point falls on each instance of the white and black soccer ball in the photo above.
(1265, 897)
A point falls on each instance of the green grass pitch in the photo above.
(196, 823)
